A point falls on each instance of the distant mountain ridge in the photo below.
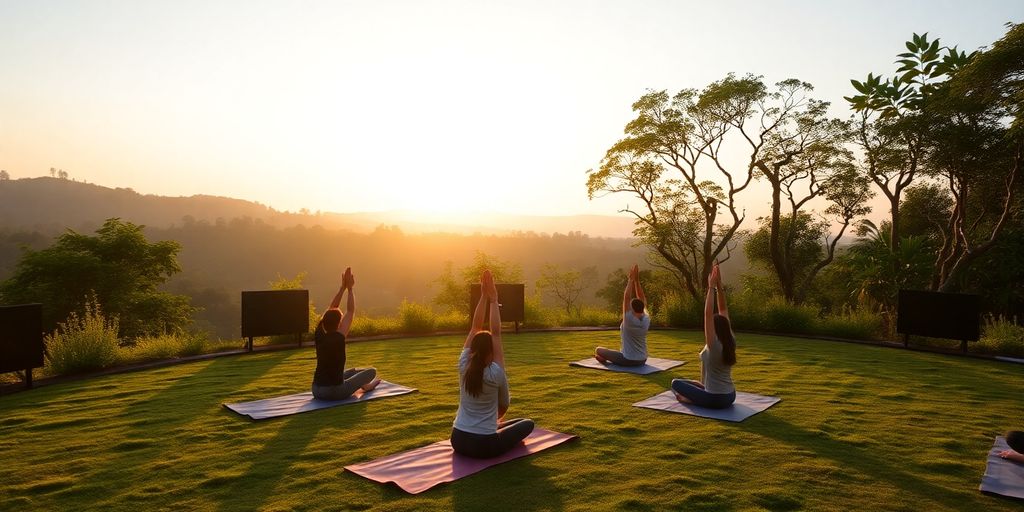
(52, 204)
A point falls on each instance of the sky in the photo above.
(441, 106)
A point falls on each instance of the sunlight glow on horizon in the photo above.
(447, 106)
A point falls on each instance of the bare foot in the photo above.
(600, 359)
(373, 383)
(682, 399)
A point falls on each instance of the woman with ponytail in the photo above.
(715, 389)
(478, 430)
(331, 381)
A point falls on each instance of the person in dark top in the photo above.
(331, 381)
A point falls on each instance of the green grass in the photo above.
(859, 428)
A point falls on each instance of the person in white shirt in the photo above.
(633, 330)
(715, 388)
(478, 430)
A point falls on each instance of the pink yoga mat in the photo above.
(422, 468)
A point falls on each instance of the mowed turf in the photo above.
(858, 428)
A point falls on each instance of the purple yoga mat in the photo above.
(422, 468)
(1002, 476)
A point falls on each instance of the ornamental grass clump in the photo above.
(84, 342)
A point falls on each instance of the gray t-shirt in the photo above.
(479, 414)
(633, 332)
(714, 374)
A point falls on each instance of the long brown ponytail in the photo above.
(480, 351)
(724, 334)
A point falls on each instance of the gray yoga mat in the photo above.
(653, 365)
(302, 402)
(745, 406)
(1003, 477)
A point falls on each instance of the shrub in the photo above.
(783, 317)
(1002, 336)
(680, 311)
(164, 346)
(538, 317)
(857, 324)
(588, 316)
(451, 321)
(415, 318)
(370, 326)
(82, 343)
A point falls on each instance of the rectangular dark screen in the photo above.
(274, 312)
(938, 315)
(512, 298)
(21, 337)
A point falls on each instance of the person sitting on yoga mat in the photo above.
(715, 389)
(331, 381)
(633, 330)
(1014, 438)
(483, 388)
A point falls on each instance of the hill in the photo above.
(51, 204)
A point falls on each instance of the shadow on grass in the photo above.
(849, 456)
(278, 456)
(162, 415)
(520, 484)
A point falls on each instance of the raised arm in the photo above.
(628, 293)
(348, 281)
(345, 277)
(499, 351)
(709, 308)
(478, 317)
(636, 282)
(723, 308)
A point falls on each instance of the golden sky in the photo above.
(380, 105)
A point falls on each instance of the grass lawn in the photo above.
(858, 428)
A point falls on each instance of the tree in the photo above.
(566, 285)
(4, 176)
(656, 285)
(977, 150)
(118, 265)
(803, 247)
(787, 140)
(894, 119)
(453, 293)
(869, 267)
(806, 159)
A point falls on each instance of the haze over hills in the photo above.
(52, 204)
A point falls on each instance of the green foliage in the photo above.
(415, 318)
(680, 311)
(589, 317)
(363, 325)
(853, 324)
(84, 342)
(1003, 336)
(537, 316)
(118, 265)
(656, 285)
(566, 286)
(451, 321)
(165, 346)
(453, 285)
(784, 317)
(804, 249)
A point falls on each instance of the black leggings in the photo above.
(484, 446)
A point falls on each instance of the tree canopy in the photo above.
(117, 266)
